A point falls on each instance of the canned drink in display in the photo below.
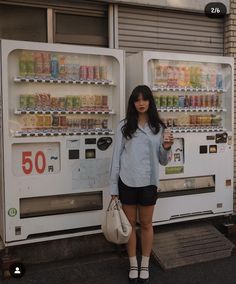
(206, 101)
(83, 101)
(201, 103)
(103, 73)
(39, 120)
(62, 103)
(97, 123)
(193, 119)
(84, 123)
(62, 121)
(83, 72)
(76, 102)
(69, 121)
(46, 64)
(55, 121)
(218, 100)
(62, 66)
(90, 123)
(23, 64)
(76, 122)
(69, 102)
(197, 100)
(23, 101)
(98, 102)
(24, 121)
(38, 61)
(186, 101)
(169, 101)
(31, 101)
(90, 73)
(32, 121)
(213, 100)
(30, 64)
(47, 121)
(209, 101)
(181, 101)
(92, 102)
(169, 122)
(54, 103)
(105, 123)
(163, 101)
(157, 101)
(105, 102)
(96, 73)
(175, 101)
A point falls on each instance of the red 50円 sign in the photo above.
(31, 161)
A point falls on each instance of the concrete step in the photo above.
(62, 249)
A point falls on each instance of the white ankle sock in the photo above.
(133, 272)
(144, 270)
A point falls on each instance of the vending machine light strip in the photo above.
(62, 81)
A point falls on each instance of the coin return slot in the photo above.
(17, 230)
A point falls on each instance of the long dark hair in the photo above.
(131, 120)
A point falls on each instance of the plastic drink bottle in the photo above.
(54, 66)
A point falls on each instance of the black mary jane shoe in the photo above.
(133, 280)
(144, 281)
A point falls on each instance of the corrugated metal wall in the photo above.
(141, 28)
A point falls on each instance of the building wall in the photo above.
(230, 50)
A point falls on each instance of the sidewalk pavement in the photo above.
(112, 268)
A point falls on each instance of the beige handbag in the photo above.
(116, 227)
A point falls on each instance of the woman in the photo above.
(139, 148)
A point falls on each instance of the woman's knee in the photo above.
(146, 225)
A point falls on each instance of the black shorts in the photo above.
(145, 195)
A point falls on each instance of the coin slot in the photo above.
(73, 154)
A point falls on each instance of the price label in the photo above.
(215, 10)
(35, 159)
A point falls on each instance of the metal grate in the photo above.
(189, 244)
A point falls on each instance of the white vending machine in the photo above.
(194, 97)
(60, 105)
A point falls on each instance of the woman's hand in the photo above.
(168, 139)
(114, 196)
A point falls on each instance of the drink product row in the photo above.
(44, 101)
(192, 120)
(47, 121)
(53, 65)
(188, 76)
(193, 100)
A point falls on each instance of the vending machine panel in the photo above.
(194, 98)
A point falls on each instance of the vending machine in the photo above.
(60, 105)
(194, 97)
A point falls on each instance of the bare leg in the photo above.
(145, 216)
(131, 213)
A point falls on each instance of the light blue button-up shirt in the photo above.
(137, 160)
